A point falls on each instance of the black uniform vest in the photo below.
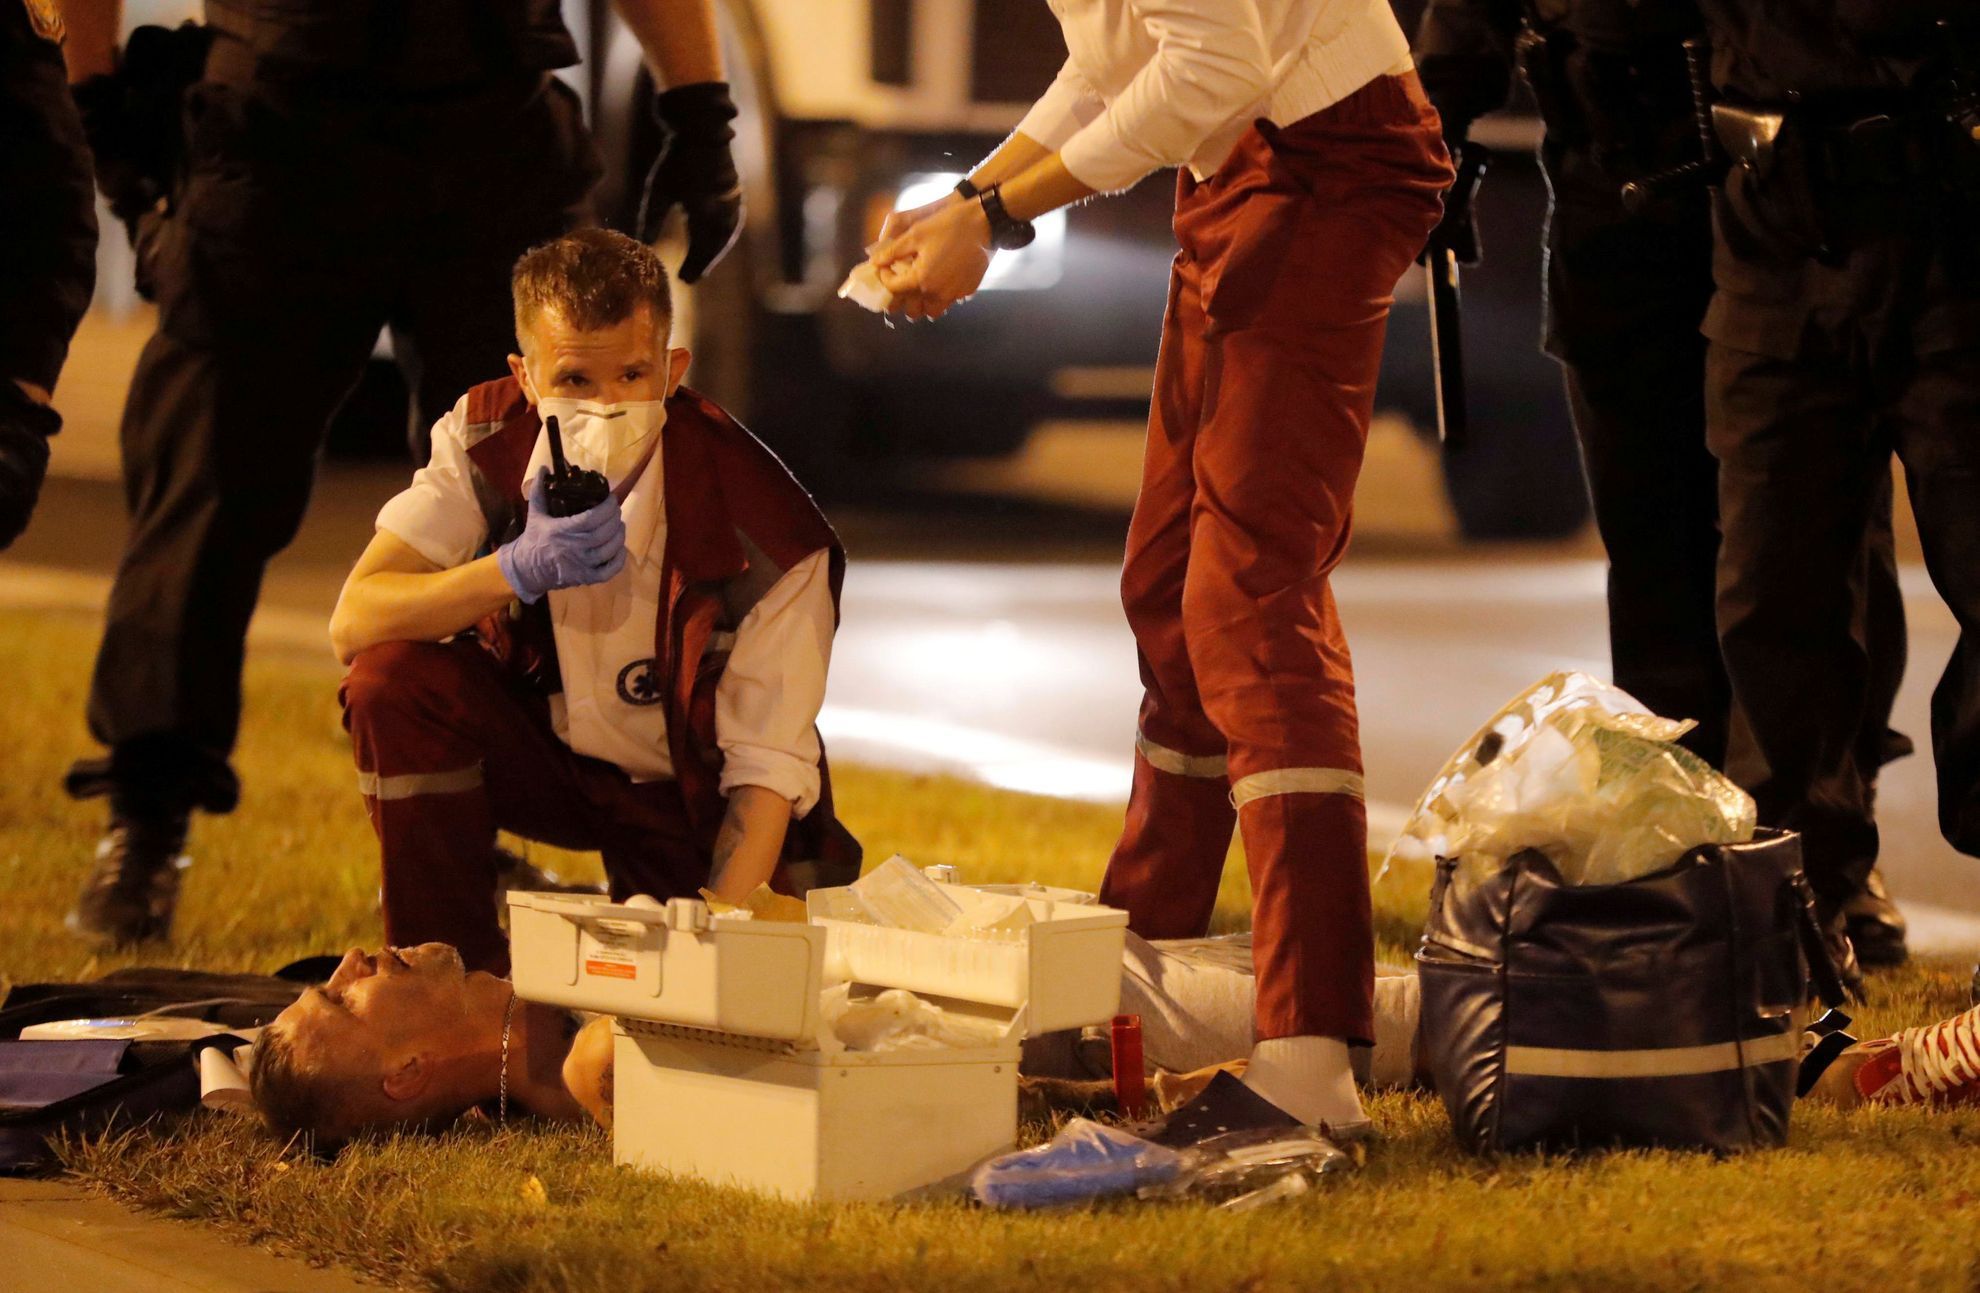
(1774, 51)
(406, 44)
(1617, 25)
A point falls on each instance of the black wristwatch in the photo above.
(1006, 233)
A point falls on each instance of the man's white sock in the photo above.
(1308, 1077)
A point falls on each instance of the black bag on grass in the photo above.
(81, 1088)
(1664, 1011)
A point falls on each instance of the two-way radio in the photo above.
(570, 490)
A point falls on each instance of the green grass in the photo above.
(1874, 1200)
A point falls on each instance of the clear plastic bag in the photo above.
(896, 894)
(1242, 1170)
(899, 895)
(1582, 772)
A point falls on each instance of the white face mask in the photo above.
(611, 439)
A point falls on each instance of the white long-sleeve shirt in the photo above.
(1154, 83)
(767, 703)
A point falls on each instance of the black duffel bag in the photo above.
(1665, 1011)
(142, 1079)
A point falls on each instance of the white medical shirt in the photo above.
(612, 706)
(1154, 83)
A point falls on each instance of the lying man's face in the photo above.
(379, 1002)
(396, 1036)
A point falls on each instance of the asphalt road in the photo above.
(984, 636)
(1024, 675)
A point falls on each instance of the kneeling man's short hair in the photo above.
(593, 277)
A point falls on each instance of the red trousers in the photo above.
(1263, 392)
(449, 749)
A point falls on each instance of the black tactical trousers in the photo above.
(1818, 370)
(302, 230)
(1625, 297)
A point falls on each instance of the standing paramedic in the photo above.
(643, 677)
(348, 165)
(1312, 171)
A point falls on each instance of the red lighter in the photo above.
(1130, 1081)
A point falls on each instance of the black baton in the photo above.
(1454, 242)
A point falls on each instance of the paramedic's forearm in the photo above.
(395, 606)
(749, 843)
(1013, 156)
(678, 37)
(1045, 185)
(91, 46)
(1033, 181)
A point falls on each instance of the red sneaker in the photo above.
(1937, 1064)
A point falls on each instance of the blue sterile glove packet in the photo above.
(563, 551)
(1086, 1160)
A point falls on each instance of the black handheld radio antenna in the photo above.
(570, 490)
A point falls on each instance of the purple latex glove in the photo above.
(563, 551)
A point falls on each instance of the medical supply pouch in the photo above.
(81, 1085)
(1667, 1010)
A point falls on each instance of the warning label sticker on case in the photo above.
(610, 951)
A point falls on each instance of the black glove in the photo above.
(696, 172)
(132, 118)
(125, 173)
(24, 430)
(1457, 231)
(1463, 88)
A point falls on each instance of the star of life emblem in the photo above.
(639, 684)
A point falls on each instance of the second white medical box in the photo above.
(725, 1068)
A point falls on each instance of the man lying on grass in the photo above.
(408, 1037)
(641, 678)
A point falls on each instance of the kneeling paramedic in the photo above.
(641, 678)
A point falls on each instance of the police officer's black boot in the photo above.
(133, 887)
(153, 783)
(24, 430)
(1876, 927)
(1842, 952)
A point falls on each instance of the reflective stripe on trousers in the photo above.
(407, 785)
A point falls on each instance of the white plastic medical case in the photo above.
(724, 1071)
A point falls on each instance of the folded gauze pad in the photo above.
(864, 288)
